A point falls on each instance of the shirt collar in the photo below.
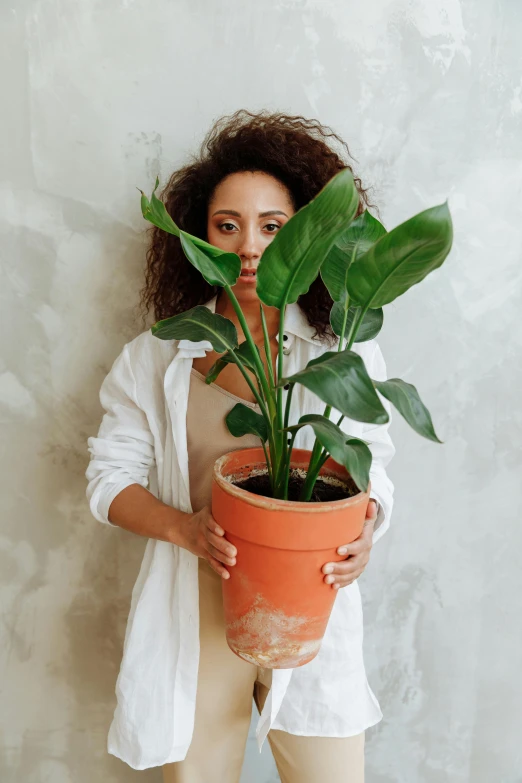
(296, 325)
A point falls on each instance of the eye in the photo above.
(227, 224)
(275, 226)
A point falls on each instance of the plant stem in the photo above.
(312, 472)
(340, 343)
(268, 465)
(253, 347)
(285, 473)
(268, 352)
(323, 456)
(287, 465)
(271, 413)
(255, 392)
(288, 404)
(320, 455)
(352, 334)
(281, 437)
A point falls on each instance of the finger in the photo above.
(221, 544)
(217, 567)
(347, 579)
(213, 526)
(354, 547)
(330, 568)
(364, 542)
(345, 582)
(346, 568)
(366, 537)
(220, 556)
(371, 510)
(350, 565)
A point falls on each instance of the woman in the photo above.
(184, 699)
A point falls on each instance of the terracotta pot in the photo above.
(276, 602)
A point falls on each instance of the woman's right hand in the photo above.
(201, 535)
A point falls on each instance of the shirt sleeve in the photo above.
(380, 444)
(122, 453)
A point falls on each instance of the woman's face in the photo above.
(246, 211)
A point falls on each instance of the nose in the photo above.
(249, 244)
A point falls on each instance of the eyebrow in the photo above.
(238, 214)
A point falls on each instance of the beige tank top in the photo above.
(207, 434)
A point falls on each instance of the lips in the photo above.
(248, 273)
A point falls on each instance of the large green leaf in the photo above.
(354, 241)
(245, 354)
(197, 324)
(353, 453)
(219, 270)
(290, 263)
(155, 212)
(370, 327)
(243, 420)
(401, 258)
(217, 266)
(406, 399)
(340, 380)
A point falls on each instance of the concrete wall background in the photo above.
(98, 98)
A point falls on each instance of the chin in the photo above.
(245, 293)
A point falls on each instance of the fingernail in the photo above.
(328, 569)
(336, 586)
(232, 552)
(342, 550)
(220, 531)
(329, 580)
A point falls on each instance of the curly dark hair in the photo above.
(292, 149)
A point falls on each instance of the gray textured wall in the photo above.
(98, 98)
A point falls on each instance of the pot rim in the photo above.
(273, 504)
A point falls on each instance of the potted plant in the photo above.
(285, 509)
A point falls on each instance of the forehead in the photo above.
(251, 186)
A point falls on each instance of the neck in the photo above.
(252, 316)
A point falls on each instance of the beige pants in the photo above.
(226, 685)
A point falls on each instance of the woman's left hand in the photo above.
(346, 571)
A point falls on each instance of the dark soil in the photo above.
(323, 490)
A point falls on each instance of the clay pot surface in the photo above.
(276, 602)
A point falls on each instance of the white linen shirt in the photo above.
(142, 440)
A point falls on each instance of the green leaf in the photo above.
(290, 263)
(242, 420)
(371, 323)
(340, 380)
(197, 324)
(354, 241)
(155, 212)
(353, 453)
(217, 266)
(405, 398)
(244, 353)
(401, 258)
(220, 270)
